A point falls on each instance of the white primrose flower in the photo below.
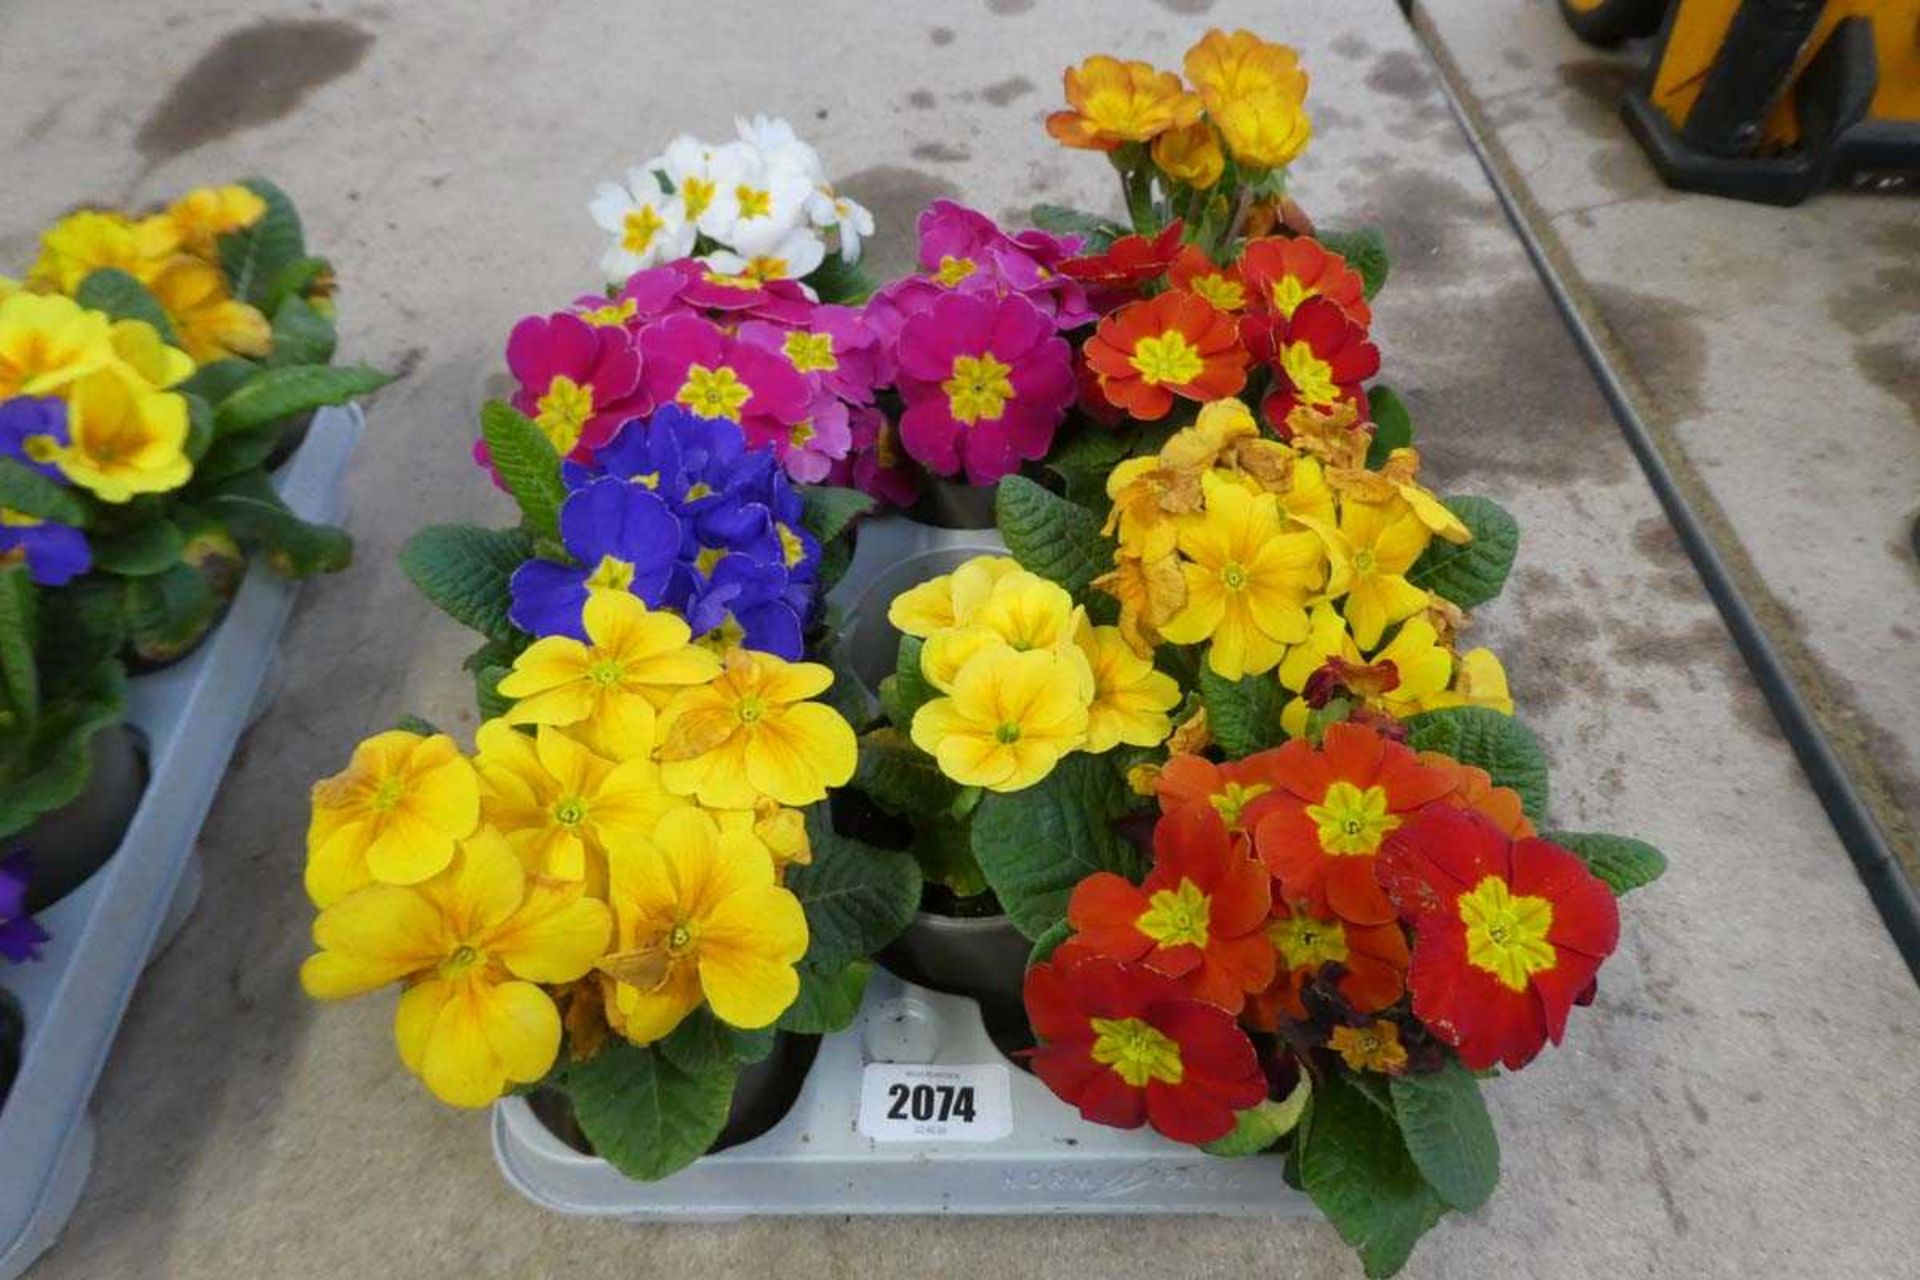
(797, 255)
(826, 209)
(649, 225)
(756, 205)
(780, 147)
(698, 171)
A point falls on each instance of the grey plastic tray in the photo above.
(106, 931)
(816, 1160)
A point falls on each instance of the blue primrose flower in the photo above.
(55, 554)
(20, 937)
(746, 601)
(32, 429)
(621, 537)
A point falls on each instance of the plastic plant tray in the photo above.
(817, 1161)
(105, 932)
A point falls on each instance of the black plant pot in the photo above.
(981, 957)
(65, 847)
(949, 504)
(292, 436)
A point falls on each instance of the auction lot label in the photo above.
(905, 1102)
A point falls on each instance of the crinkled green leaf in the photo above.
(1392, 424)
(703, 1042)
(466, 570)
(273, 395)
(900, 777)
(1488, 740)
(301, 335)
(857, 898)
(167, 612)
(252, 510)
(253, 257)
(1036, 845)
(1365, 250)
(1447, 1131)
(19, 673)
(1356, 1168)
(152, 546)
(1243, 714)
(838, 281)
(907, 689)
(1625, 864)
(25, 490)
(1095, 231)
(1047, 943)
(830, 510)
(1258, 1127)
(528, 466)
(117, 293)
(643, 1114)
(1055, 538)
(829, 1000)
(1472, 573)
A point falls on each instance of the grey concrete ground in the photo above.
(1741, 1102)
(1774, 352)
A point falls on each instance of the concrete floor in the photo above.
(1775, 353)
(1741, 1102)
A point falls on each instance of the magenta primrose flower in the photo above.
(691, 361)
(986, 381)
(834, 349)
(964, 249)
(877, 464)
(579, 381)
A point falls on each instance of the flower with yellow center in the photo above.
(1151, 593)
(952, 599)
(751, 734)
(1263, 129)
(210, 323)
(1424, 666)
(562, 412)
(714, 393)
(125, 438)
(1191, 155)
(1226, 67)
(474, 945)
(1009, 719)
(391, 815)
(978, 389)
(1376, 544)
(782, 830)
(699, 918)
(1248, 579)
(1131, 699)
(1507, 932)
(1352, 820)
(1396, 479)
(91, 239)
(204, 214)
(560, 806)
(47, 343)
(810, 352)
(1373, 1047)
(953, 270)
(1113, 102)
(608, 690)
(1138, 1052)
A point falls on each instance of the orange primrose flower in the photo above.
(1227, 66)
(1194, 272)
(1171, 344)
(1372, 960)
(1114, 102)
(1319, 354)
(1473, 789)
(1128, 262)
(1282, 272)
(1373, 1047)
(1232, 790)
(1335, 807)
(1199, 916)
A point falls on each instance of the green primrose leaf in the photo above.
(645, 1115)
(467, 571)
(1472, 573)
(253, 257)
(272, 396)
(702, 1042)
(857, 898)
(907, 689)
(252, 510)
(1096, 231)
(117, 293)
(1625, 864)
(25, 490)
(167, 612)
(1392, 425)
(900, 777)
(1356, 1168)
(1258, 1127)
(829, 1000)
(1365, 250)
(838, 281)
(1244, 714)
(831, 510)
(1036, 845)
(152, 546)
(528, 465)
(1055, 538)
(1445, 1125)
(301, 335)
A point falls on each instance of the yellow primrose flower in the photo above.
(1423, 665)
(1009, 719)
(751, 734)
(1148, 500)
(1263, 129)
(558, 803)
(1377, 543)
(204, 214)
(1114, 102)
(138, 350)
(951, 599)
(1130, 698)
(1025, 611)
(87, 241)
(698, 917)
(1191, 155)
(1226, 66)
(1248, 580)
(8, 287)
(47, 342)
(1478, 681)
(782, 830)
(608, 690)
(391, 815)
(210, 323)
(473, 945)
(125, 438)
